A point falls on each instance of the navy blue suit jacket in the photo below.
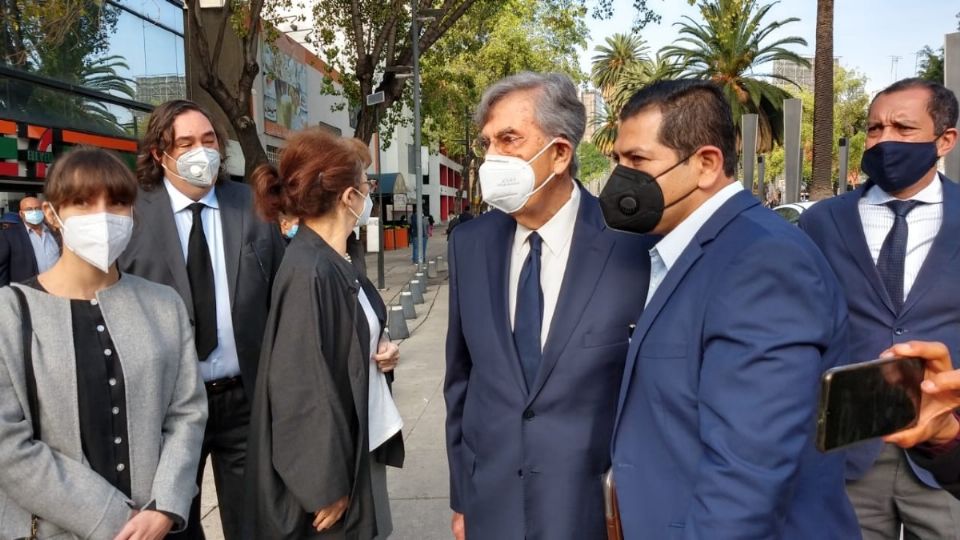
(528, 465)
(931, 312)
(715, 427)
(18, 262)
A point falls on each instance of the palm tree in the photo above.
(621, 52)
(606, 124)
(727, 47)
(821, 185)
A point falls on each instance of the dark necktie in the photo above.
(893, 254)
(202, 287)
(529, 315)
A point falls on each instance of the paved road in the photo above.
(419, 491)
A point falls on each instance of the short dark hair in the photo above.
(942, 104)
(695, 114)
(159, 137)
(85, 173)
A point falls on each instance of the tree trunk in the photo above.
(253, 153)
(821, 186)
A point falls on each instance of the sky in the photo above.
(867, 33)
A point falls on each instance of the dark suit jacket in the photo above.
(309, 430)
(18, 262)
(529, 464)
(715, 428)
(944, 467)
(252, 249)
(931, 311)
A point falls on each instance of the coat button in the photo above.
(899, 331)
(528, 414)
(520, 473)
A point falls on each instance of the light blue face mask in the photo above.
(292, 231)
(33, 217)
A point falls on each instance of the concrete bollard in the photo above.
(416, 291)
(406, 302)
(422, 278)
(442, 264)
(397, 324)
(432, 269)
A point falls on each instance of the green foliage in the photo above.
(643, 15)
(488, 44)
(931, 65)
(594, 165)
(850, 103)
(731, 43)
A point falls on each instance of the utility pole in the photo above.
(417, 166)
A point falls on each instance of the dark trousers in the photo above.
(225, 440)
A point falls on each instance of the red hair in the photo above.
(315, 168)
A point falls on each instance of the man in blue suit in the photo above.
(541, 298)
(895, 242)
(715, 424)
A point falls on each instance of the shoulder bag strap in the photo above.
(26, 329)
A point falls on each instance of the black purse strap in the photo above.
(26, 329)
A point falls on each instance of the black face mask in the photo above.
(632, 200)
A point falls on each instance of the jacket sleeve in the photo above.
(763, 338)
(4, 259)
(945, 468)
(44, 482)
(313, 450)
(459, 365)
(175, 481)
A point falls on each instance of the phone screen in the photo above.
(867, 400)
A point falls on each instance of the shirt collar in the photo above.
(43, 227)
(180, 202)
(559, 229)
(672, 245)
(932, 194)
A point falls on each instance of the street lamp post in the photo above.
(375, 99)
(418, 208)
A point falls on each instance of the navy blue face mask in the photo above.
(897, 165)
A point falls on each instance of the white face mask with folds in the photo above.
(364, 216)
(98, 239)
(198, 167)
(507, 181)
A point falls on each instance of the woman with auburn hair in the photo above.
(324, 424)
(102, 408)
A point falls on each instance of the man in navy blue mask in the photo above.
(895, 244)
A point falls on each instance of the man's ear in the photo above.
(708, 163)
(946, 142)
(563, 156)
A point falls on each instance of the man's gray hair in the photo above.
(558, 113)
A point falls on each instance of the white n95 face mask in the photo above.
(364, 216)
(98, 238)
(507, 182)
(198, 167)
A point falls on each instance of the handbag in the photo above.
(26, 330)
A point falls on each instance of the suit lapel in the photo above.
(945, 247)
(691, 254)
(589, 252)
(232, 214)
(850, 228)
(159, 212)
(498, 248)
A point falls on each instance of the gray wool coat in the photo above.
(166, 414)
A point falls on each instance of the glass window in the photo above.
(789, 213)
(151, 60)
(35, 104)
(161, 11)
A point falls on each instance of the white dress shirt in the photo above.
(383, 418)
(923, 224)
(665, 254)
(557, 235)
(223, 361)
(45, 247)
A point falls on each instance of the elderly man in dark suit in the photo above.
(542, 294)
(894, 242)
(198, 233)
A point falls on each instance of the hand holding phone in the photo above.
(868, 400)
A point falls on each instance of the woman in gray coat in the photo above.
(119, 405)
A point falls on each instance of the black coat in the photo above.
(309, 435)
(18, 262)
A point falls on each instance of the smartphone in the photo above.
(868, 400)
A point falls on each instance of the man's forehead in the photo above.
(639, 133)
(513, 112)
(911, 102)
(192, 124)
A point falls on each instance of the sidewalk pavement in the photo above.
(419, 497)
